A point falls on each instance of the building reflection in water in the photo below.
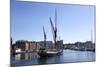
(26, 56)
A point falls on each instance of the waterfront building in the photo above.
(60, 44)
(89, 45)
(26, 45)
(50, 44)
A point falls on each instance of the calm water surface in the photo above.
(66, 57)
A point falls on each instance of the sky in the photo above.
(74, 22)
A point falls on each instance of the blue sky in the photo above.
(74, 22)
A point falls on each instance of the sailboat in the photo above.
(43, 52)
(57, 48)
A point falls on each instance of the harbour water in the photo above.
(68, 56)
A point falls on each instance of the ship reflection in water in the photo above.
(66, 57)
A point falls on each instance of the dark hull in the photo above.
(45, 54)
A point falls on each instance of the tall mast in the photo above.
(52, 28)
(55, 31)
(55, 17)
(44, 37)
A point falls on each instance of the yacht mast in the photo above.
(55, 31)
(44, 37)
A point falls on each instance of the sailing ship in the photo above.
(57, 47)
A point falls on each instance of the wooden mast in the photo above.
(44, 37)
(54, 30)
